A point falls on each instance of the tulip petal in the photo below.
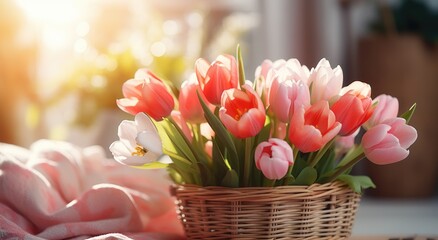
(387, 156)
(150, 141)
(132, 88)
(405, 133)
(201, 68)
(375, 135)
(127, 133)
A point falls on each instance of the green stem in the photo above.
(274, 128)
(345, 167)
(321, 153)
(198, 137)
(247, 162)
(268, 182)
(198, 180)
(289, 170)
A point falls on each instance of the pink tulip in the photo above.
(344, 144)
(242, 112)
(189, 104)
(312, 128)
(214, 79)
(352, 111)
(179, 119)
(325, 82)
(388, 142)
(386, 108)
(146, 93)
(273, 158)
(285, 96)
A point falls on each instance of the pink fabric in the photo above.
(57, 191)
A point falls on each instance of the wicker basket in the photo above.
(324, 211)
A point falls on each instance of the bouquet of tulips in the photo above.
(289, 126)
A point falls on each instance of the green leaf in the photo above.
(231, 179)
(299, 164)
(289, 180)
(172, 143)
(327, 163)
(351, 154)
(207, 176)
(177, 158)
(219, 165)
(408, 114)
(241, 67)
(307, 177)
(153, 165)
(222, 135)
(357, 183)
(175, 143)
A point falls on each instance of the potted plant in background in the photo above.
(263, 159)
(399, 57)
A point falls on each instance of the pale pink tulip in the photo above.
(352, 111)
(313, 128)
(261, 84)
(386, 108)
(189, 104)
(262, 71)
(281, 70)
(357, 88)
(273, 158)
(179, 119)
(207, 131)
(208, 148)
(388, 142)
(215, 78)
(242, 112)
(146, 93)
(325, 82)
(285, 96)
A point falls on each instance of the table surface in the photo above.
(394, 238)
(396, 219)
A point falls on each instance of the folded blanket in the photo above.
(56, 190)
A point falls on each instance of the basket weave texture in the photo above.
(319, 211)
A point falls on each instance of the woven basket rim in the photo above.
(309, 187)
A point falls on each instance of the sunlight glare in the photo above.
(49, 11)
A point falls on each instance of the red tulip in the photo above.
(242, 112)
(146, 93)
(312, 128)
(352, 112)
(387, 142)
(214, 79)
(353, 109)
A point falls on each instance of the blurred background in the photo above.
(62, 64)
